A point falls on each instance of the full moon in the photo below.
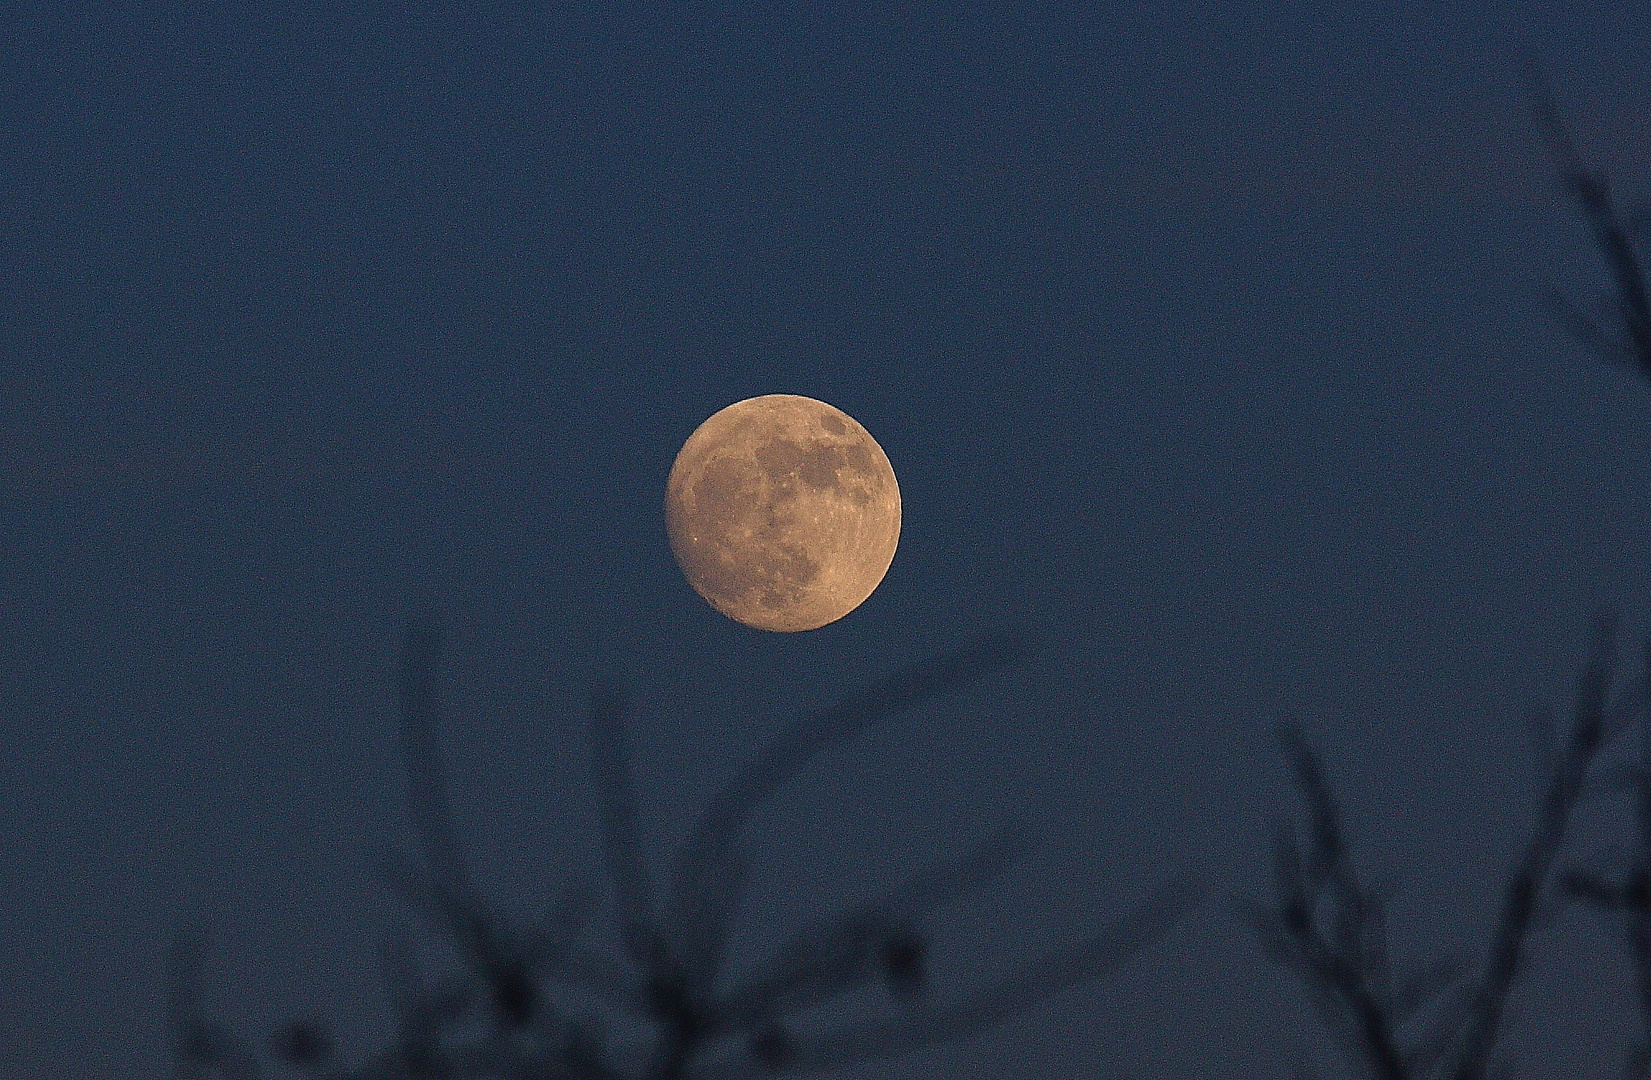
(783, 512)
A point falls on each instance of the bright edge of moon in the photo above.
(783, 512)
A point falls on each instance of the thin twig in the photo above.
(1613, 236)
(1327, 926)
(616, 804)
(704, 886)
(930, 1025)
(200, 1048)
(1519, 904)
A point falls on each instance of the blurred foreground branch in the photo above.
(508, 1016)
(1624, 337)
(1623, 334)
(1627, 896)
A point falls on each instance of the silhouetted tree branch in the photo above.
(1332, 930)
(1566, 778)
(1628, 896)
(201, 1049)
(707, 880)
(503, 1019)
(1625, 336)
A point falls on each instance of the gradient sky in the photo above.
(1206, 343)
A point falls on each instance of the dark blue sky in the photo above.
(1207, 344)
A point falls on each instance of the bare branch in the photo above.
(926, 1025)
(1587, 331)
(1327, 860)
(426, 785)
(480, 934)
(1595, 890)
(492, 1022)
(700, 891)
(1591, 191)
(1629, 896)
(1519, 905)
(1332, 931)
(610, 772)
(831, 955)
(1423, 989)
(200, 1048)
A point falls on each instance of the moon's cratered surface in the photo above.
(783, 512)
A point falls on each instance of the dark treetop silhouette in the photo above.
(1323, 922)
(505, 1016)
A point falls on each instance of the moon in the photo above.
(783, 512)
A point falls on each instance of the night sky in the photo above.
(1209, 346)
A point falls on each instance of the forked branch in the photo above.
(1332, 931)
